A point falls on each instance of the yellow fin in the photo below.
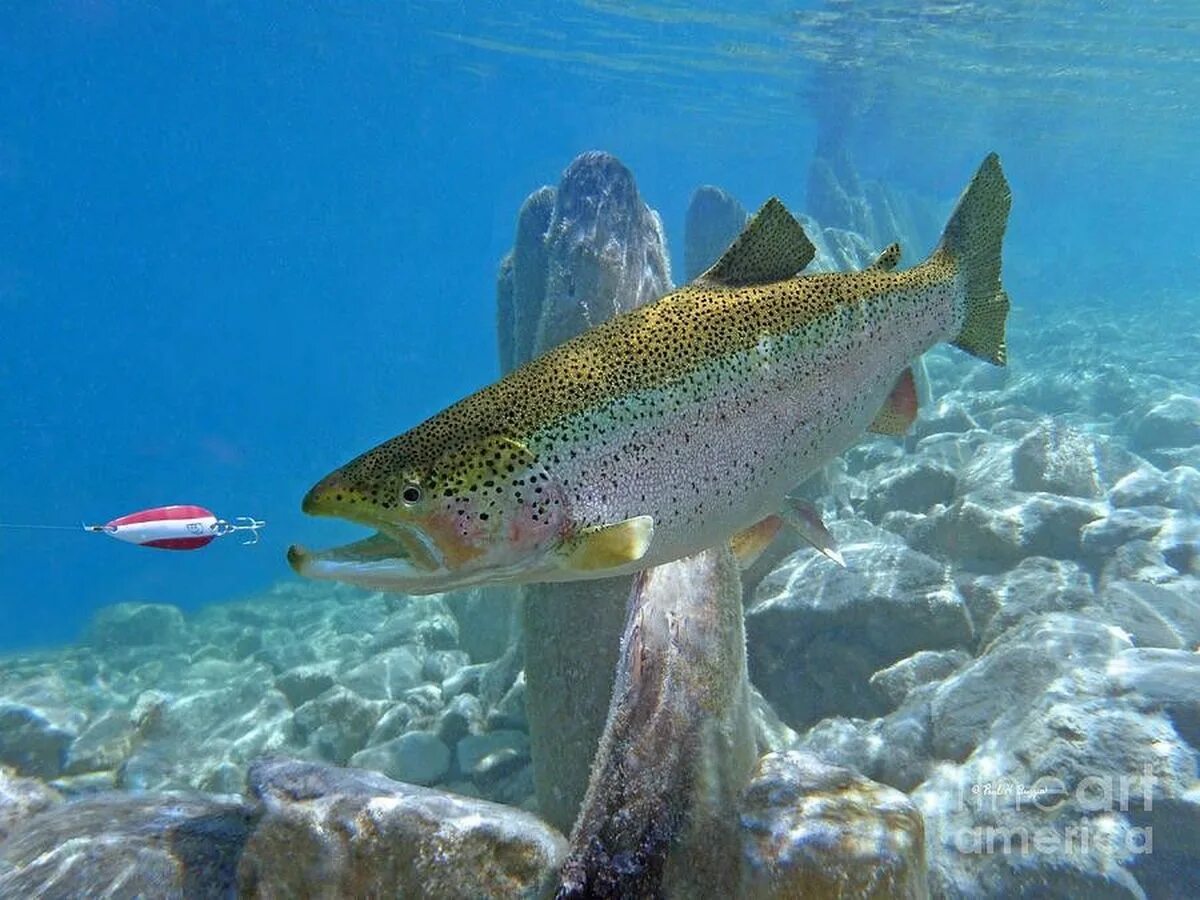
(899, 409)
(772, 247)
(887, 260)
(749, 543)
(609, 546)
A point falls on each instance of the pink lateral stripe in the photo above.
(160, 514)
(189, 543)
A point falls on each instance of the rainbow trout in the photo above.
(675, 426)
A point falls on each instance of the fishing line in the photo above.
(51, 527)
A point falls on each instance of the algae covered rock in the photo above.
(811, 830)
(127, 845)
(328, 832)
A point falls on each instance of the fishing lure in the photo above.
(177, 527)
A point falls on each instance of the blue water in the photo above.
(240, 243)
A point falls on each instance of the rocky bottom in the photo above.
(999, 695)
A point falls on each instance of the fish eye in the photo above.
(411, 494)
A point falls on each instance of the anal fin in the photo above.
(900, 409)
(608, 546)
(803, 516)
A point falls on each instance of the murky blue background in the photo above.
(239, 244)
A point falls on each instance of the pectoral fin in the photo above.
(803, 516)
(900, 409)
(608, 546)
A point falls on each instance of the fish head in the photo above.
(484, 510)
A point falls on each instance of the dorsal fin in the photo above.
(772, 247)
(887, 260)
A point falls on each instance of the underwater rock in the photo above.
(894, 750)
(35, 741)
(600, 251)
(386, 676)
(815, 830)
(1074, 789)
(136, 625)
(1035, 586)
(1137, 561)
(1162, 680)
(509, 710)
(992, 529)
(1173, 422)
(839, 198)
(521, 284)
(771, 733)
(467, 678)
(127, 845)
(441, 664)
(897, 681)
(463, 715)
(20, 799)
(103, 745)
(415, 757)
(336, 724)
(1061, 460)
(1153, 615)
(584, 252)
(419, 624)
(1179, 542)
(1016, 669)
(893, 599)
(328, 832)
(1101, 537)
(838, 249)
(305, 683)
(913, 486)
(714, 218)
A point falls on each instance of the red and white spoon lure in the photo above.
(179, 527)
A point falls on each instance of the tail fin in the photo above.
(972, 240)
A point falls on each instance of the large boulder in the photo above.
(327, 832)
(811, 830)
(127, 845)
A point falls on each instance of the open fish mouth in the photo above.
(380, 561)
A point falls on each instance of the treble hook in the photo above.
(223, 527)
